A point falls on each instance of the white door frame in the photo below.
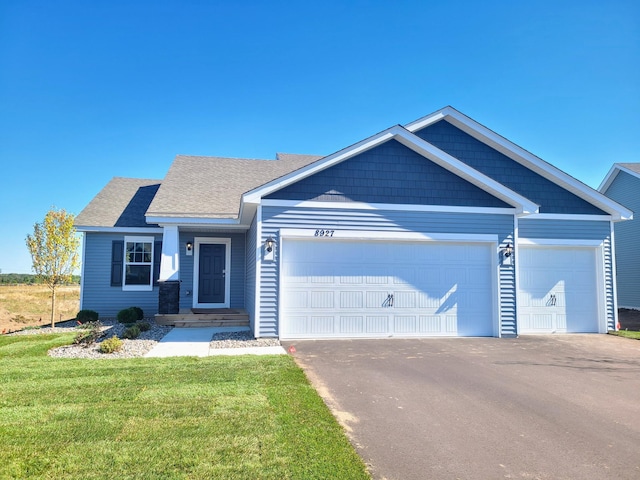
(227, 270)
(597, 247)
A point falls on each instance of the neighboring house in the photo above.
(622, 184)
(440, 227)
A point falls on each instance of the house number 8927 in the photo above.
(323, 233)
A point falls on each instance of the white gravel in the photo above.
(141, 345)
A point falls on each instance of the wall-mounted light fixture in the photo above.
(268, 244)
(189, 248)
(268, 249)
(507, 254)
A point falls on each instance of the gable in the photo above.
(388, 173)
(551, 197)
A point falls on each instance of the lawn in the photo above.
(243, 417)
(626, 334)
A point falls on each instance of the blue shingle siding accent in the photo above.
(625, 189)
(551, 197)
(238, 247)
(577, 230)
(389, 173)
(275, 218)
(250, 275)
(97, 292)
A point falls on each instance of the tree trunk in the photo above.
(53, 307)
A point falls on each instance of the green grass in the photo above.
(626, 334)
(175, 418)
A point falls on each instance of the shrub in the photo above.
(139, 313)
(110, 345)
(85, 316)
(88, 334)
(128, 315)
(143, 326)
(131, 333)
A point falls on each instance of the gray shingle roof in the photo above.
(121, 203)
(212, 187)
(634, 167)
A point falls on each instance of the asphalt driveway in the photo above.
(552, 407)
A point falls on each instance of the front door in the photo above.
(212, 274)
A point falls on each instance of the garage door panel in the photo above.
(557, 290)
(449, 292)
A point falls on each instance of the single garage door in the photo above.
(557, 290)
(340, 288)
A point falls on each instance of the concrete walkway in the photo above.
(194, 342)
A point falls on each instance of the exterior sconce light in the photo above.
(268, 251)
(268, 244)
(189, 248)
(507, 255)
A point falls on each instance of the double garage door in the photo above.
(343, 288)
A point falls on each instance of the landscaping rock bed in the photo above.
(240, 340)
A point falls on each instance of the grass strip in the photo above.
(172, 418)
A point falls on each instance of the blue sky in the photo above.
(92, 90)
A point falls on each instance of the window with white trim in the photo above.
(138, 263)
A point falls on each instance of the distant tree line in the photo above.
(28, 279)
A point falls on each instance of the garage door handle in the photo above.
(552, 300)
(389, 301)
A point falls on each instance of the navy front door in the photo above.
(211, 281)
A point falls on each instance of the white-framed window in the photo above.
(138, 263)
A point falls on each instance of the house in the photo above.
(438, 227)
(622, 184)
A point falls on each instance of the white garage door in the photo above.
(557, 290)
(338, 288)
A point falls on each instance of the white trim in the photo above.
(418, 145)
(614, 282)
(197, 241)
(257, 252)
(569, 216)
(385, 206)
(516, 270)
(137, 288)
(198, 221)
(376, 235)
(170, 255)
(520, 155)
(558, 242)
(84, 253)
(133, 230)
(613, 173)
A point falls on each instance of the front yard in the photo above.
(215, 417)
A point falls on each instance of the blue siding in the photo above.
(97, 292)
(389, 173)
(250, 276)
(275, 218)
(551, 197)
(238, 266)
(577, 230)
(625, 189)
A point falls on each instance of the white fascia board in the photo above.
(522, 156)
(255, 195)
(523, 205)
(388, 236)
(191, 222)
(613, 173)
(418, 145)
(568, 216)
(386, 206)
(140, 230)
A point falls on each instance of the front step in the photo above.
(209, 318)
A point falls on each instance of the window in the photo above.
(138, 263)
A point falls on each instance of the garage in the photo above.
(557, 290)
(335, 288)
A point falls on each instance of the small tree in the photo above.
(54, 251)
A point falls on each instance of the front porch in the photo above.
(205, 317)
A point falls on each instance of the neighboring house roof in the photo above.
(121, 203)
(212, 187)
(632, 169)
